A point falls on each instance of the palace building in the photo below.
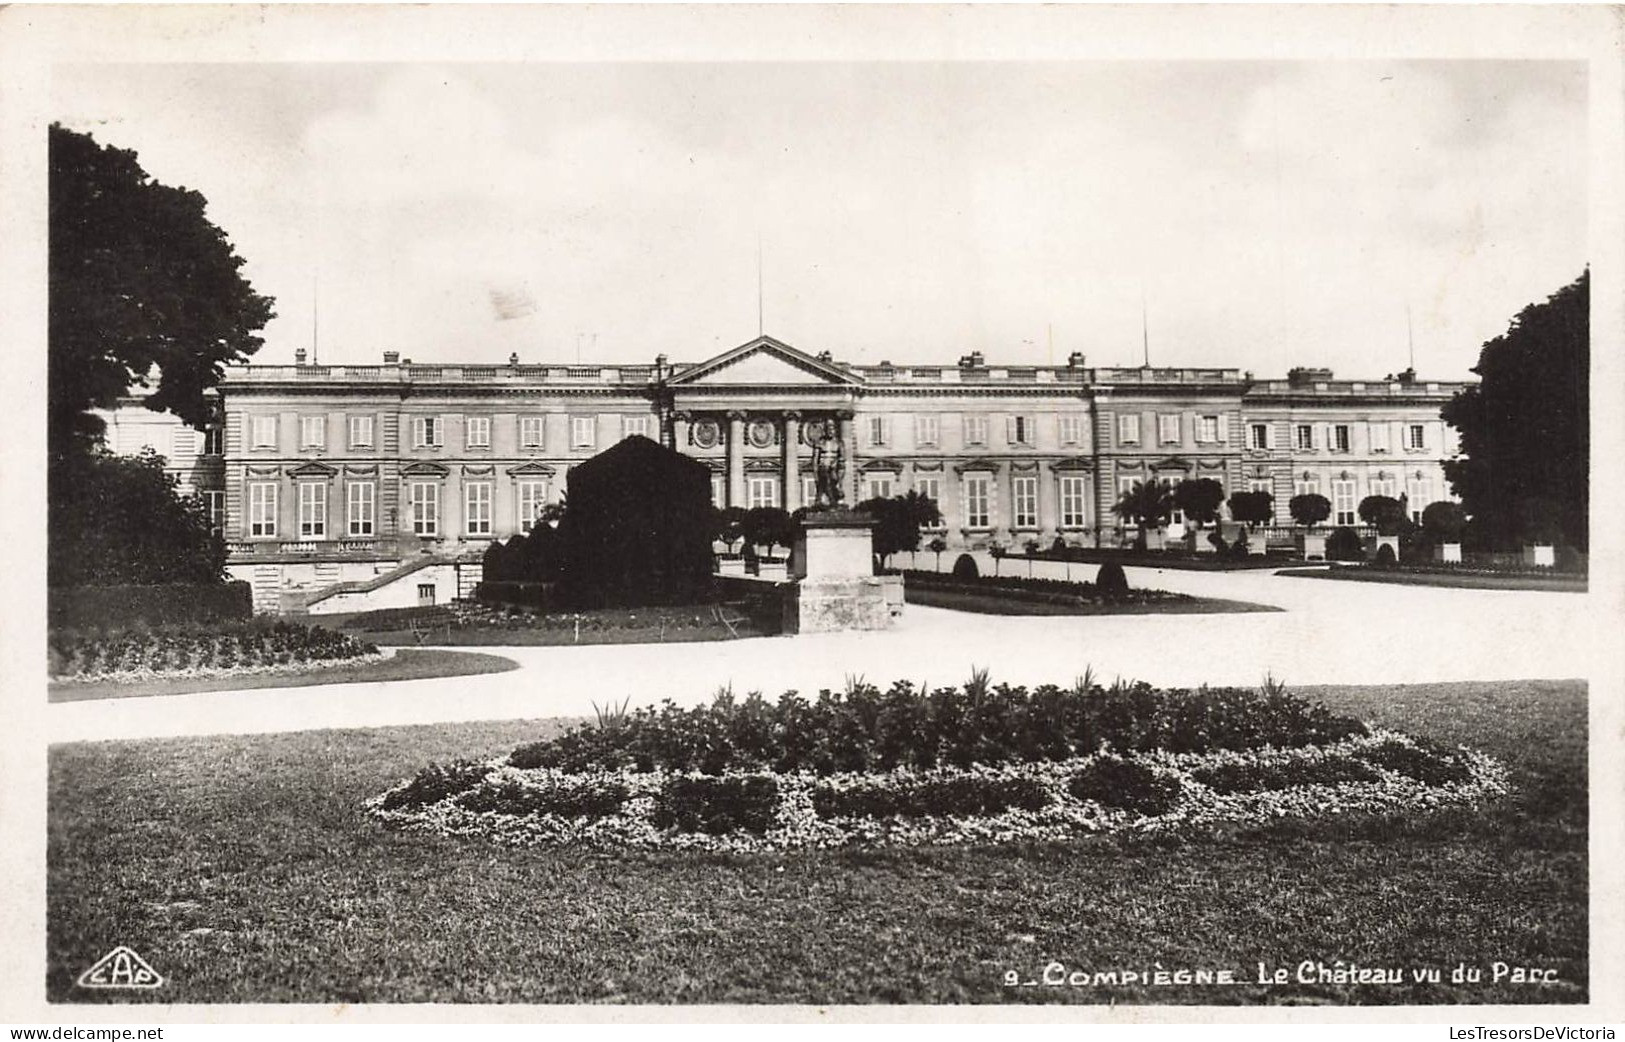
(342, 486)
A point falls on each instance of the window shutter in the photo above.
(1187, 426)
(1224, 428)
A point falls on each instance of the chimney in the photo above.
(299, 356)
(1074, 360)
(392, 357)
(513, 360)
(1408, 376)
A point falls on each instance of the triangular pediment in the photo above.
(313, 469)
(425, 470)
(767, 362)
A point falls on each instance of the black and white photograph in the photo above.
(813, 507)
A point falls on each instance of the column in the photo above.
(736, 459)
(847, 431)
(792, 461)
(679, 431)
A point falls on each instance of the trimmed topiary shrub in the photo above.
(1344, 545)
(1126, 785)
(1426, 762)
(1386, 558)
(718, 805)
(1111, 582)
(1259, 777)
(965, 567)
(434, 783)
(951, 796)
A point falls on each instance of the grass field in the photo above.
(1556, 582)
(991, 602)
(243, 869)
(406, 664)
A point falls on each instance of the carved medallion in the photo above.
(705, 433)
(762, 433)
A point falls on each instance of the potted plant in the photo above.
(1538, 521)
(729, 526)
(1387, 515)
(1147, 505)
(1253, 509)
(1309, 510)
(936, 546)
(1199, 500)
(1443, 523)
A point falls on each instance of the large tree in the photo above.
(144, 292)
(121, 521)
(1525, 428)
(899, 520)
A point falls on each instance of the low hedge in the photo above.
(197, 650)
(541, 596)
(112, 608)
(866, 729)
(1113, 588)
(1381, 773)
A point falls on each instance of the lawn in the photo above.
(1555, 582)
(493, 627)
(984, 602)
(244, 869)
(406, 664)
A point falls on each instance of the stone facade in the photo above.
(323, 465)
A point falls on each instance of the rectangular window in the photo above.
(1019, 430)
(1306, 487)
(263, 432)
(425, 502)
(1306, 437)
(762, 490)
(530, 432)
(930, 488)
(1071, 430)
(477, 432)
(1259, 435)
(1340, 437)
(1418, 437)
(583, 432)
(312, 510)
(361, 507)
(360, 432)
(426, 432)
(635, 427)
(1128, 429)
(477, 508)
(1073, 502)
(926, 430)
(978, 511)
(214, 501)
(809, 490)
(1379, 437)
(1024, 502)
(879, 430)
(262, 508)
(1125, 485)
(214, 441)
(425, 595)
(1261, 485)
(1418, 494)
(1207, 428)
(1343, 503)
(182, 443)
(312, 432)
(532, 498)
(976, 430)
(1382, 487)
(1168, 428)
(877, 486)
(719, 490)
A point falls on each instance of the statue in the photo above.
(829, 469)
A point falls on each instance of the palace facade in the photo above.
(333, 478)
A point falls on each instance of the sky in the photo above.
(1255, 215)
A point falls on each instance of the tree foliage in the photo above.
(1444, 521)
(1309, 509)
(1252, 508)
(1148, 504)
(899, 521)
(769, 527)
(119, 520)
(1525, 428)
(142, 287)
(1200, 499)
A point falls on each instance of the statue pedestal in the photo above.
(833, 561)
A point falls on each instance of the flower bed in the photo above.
(843, 770)
(230, 649)
(1049, 591)
(474, 615)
